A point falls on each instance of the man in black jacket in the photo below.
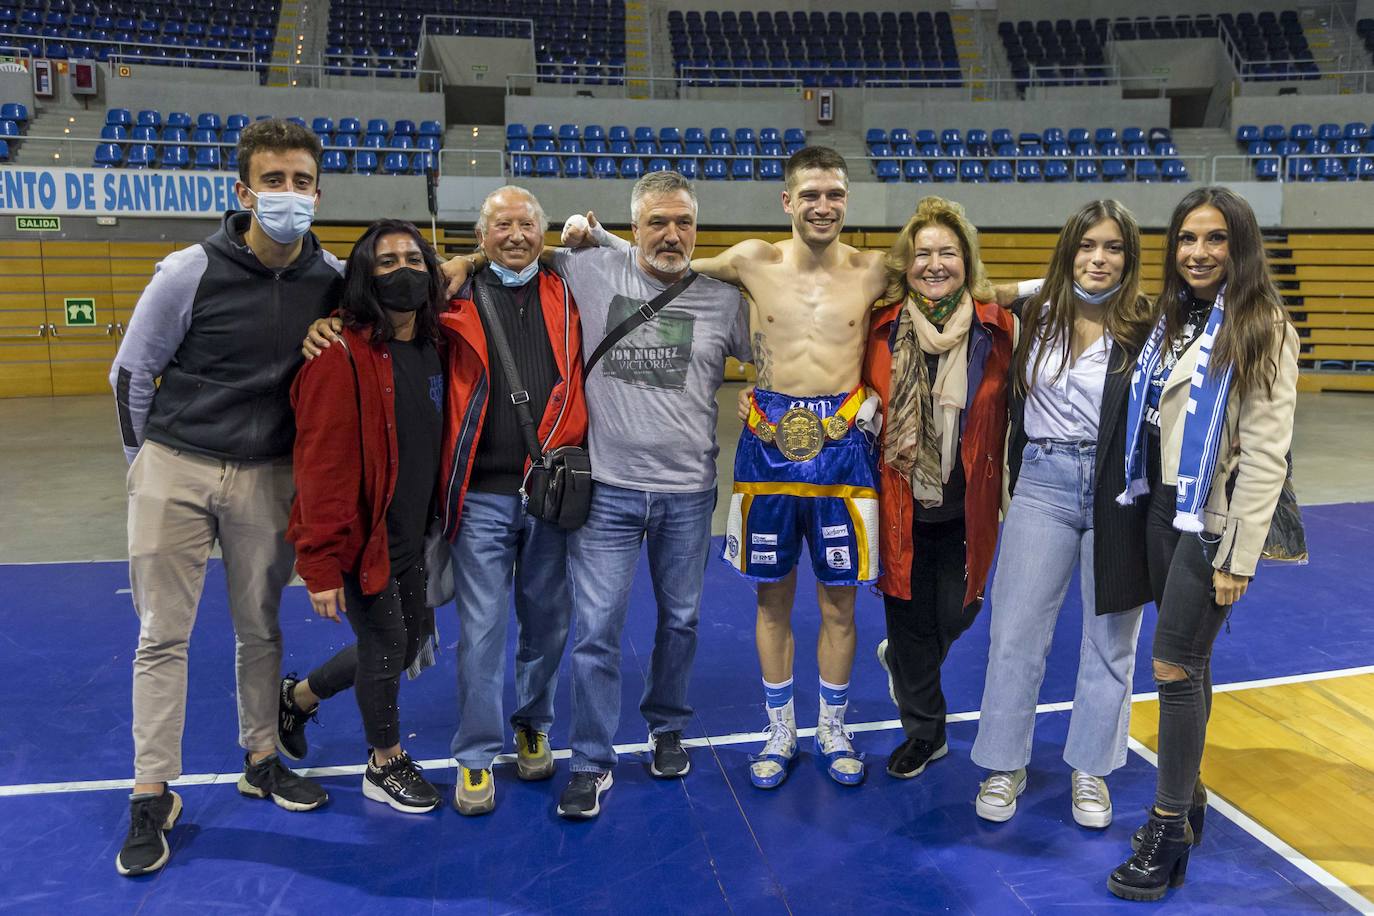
(210, 453)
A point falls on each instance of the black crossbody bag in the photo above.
(558, 487)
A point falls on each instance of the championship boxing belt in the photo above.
(799, 433)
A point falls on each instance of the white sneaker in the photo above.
(1092, 803)
(998, 793)
(882, 660)
(833, 743)
(769, 767)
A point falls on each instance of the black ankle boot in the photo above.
(1197, 814)
(1159, 864)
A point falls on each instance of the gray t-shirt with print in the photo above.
(651, 400)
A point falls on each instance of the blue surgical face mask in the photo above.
(512, 278)
(1095, 298)
(284, 215)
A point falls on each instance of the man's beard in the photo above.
(668, 261)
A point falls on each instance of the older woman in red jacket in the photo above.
(938, 357)
(369, 429)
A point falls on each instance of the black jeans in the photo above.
(1189, 619)
(388, 627)
(921, 630)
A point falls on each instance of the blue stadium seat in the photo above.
(604, 167)
(1057, 170)
(207, 120)
(16, 112)
(1000, 170)
(173, 157)
(658, 164)
(644, 135)
(714, 170)
(1266, 170)
(1132, 135)
(1329, 132)
(972, 170)
(770, 170)
(1362, 167)
(1248, 133)
(1085, 170)
(794, 138)
(1174, 170)
(1028, 170)
(141, 156)
(119, 117)
(576, 167)
(1113, 170)
(618, 132)
(1104, 135)
(1002, 136)
(1274, 133)
(887, 170)
(744, 135)
(688, 169)
(875, 136)
(1301, 132)
(742, 169)
(108, 155)
(149, 117)
(1356, 130)
(944, 170)
(1331, 169)
(1076, 136)
(207, 158)
(566, 132)
(631, 168)
(545, 166)
(334, 161)
(322, 126)
(694, 135)
(240, 121)
(365, 163)
(540, 132)
(591, 132)
(514, 131)
(1146, 170)
(669, 135)
(114, 132)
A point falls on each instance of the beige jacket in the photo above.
(1254, 447)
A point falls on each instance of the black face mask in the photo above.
(403, 290)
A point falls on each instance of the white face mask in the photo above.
(515, 278)
(284, 215)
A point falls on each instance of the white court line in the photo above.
(1299, 861)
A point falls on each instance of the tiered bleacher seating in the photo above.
(819, 49)
(575, 40)
(1052, 155)
(202, 33)
(150, 140)
(1059, 53)
(594, 151)
(1330, 152)
(1272, 46)
(14, 121)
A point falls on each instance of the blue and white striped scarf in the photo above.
(1201, 427)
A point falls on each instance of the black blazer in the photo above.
(1120, 573)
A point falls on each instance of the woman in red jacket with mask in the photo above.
(369, 427)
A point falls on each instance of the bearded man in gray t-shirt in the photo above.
(651, 404)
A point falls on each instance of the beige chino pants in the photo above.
(180, 504)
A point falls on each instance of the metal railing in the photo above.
(402, 68)
(659, 87)
(1287, 168)
(469, 163)
(19, 51)
(133, 50)
(1196, 165)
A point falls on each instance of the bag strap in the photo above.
(644, 313)
(519, 397)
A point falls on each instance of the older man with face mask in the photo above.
(652, 415)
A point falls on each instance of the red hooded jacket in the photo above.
(565, 416)
(345, 461)
(984, 433)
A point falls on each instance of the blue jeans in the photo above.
(1049, 531)
(497, 542)
(602, 556)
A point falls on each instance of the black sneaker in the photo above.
(912, 755)
(150, 817)
(582, 798)
(670, 757)
(291, 721)
(400, 784)
(270, 777)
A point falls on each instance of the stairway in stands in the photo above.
(287, 47)
(639, 49)
(59, 121)
(968, 40)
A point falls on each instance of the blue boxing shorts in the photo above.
(830, 500)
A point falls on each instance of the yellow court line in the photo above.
(1299, 760)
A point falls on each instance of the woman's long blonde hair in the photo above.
(936, 211)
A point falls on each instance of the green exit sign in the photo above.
(38, 223)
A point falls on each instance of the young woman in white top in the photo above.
(1081, 332)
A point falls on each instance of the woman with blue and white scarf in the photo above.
(1208, 425)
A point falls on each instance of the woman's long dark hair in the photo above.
(1255, 309)
(1128, 315)
(359, 304)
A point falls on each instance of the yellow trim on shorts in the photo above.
(839, 491)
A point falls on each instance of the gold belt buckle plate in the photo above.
(799, 434)
(835, 427)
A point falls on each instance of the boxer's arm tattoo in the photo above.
(763, 362)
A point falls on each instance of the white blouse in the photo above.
(1067, 408)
